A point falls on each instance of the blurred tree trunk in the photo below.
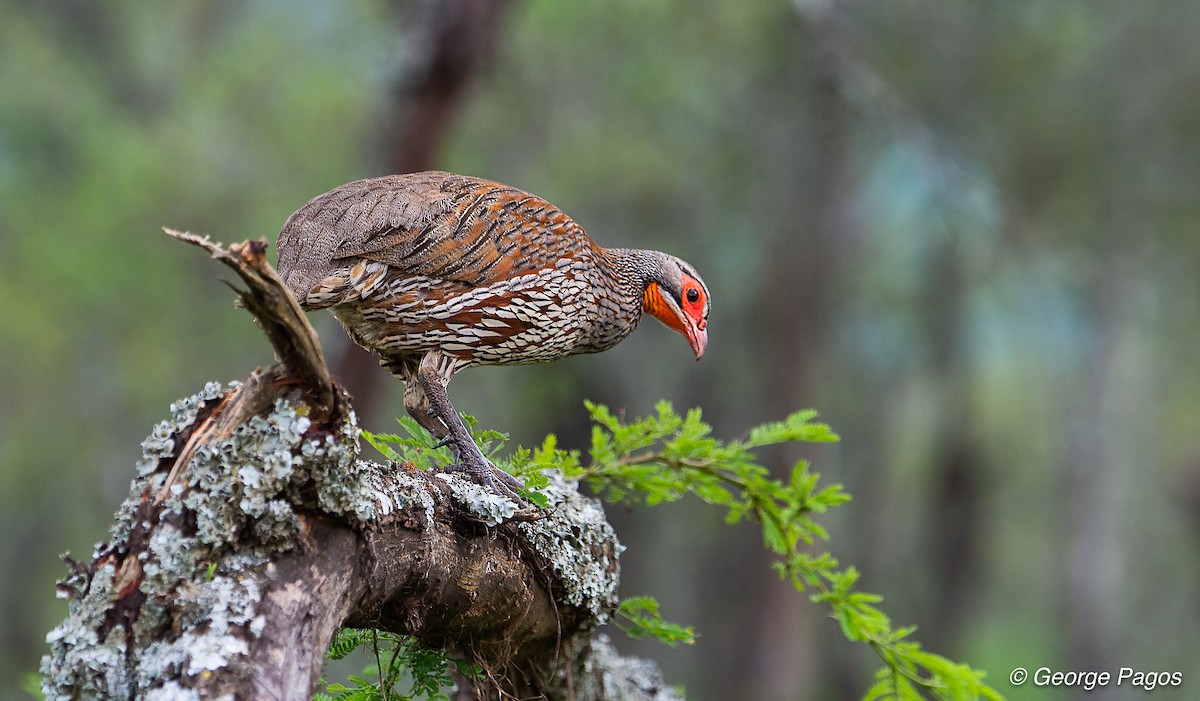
(1092, 580)
(451, 41)
(955, 521)
(811, 241)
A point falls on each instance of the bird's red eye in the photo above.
(694, 302)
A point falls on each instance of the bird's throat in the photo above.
(658, 307)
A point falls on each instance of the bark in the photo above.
(253, 531)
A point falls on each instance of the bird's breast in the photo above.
(534, 317)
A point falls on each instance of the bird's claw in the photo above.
(492, 477)
(481, 471)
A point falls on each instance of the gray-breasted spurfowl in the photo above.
(435, 272)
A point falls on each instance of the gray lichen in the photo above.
(233, 508)
(575, 537)
(395, 490)
(172, 691)
(578, 542)
(628, 678)
(342, 482)
(195, 545)
(253, 479)
(81, 664)
(486, 505)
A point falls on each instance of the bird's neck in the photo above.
(622, 280)
(631, 269)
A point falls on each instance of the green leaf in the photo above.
(773, 537)
(32, 685)
(664, 457)
(795, 428)
(639, 618)
(381, 442)
(346, 641)
(536, 498)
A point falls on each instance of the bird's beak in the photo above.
(663, 308)
(698, 337)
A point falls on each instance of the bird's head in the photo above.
(676, 296)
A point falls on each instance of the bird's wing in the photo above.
(433, 224)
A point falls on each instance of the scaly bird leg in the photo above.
(417, 402)
(470, 458)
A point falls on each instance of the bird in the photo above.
(436, 272)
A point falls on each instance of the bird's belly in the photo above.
(527, 319)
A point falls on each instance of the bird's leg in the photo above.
(432, 379)
(417, 404)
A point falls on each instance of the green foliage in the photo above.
(398, 661)
(415, 447)
(664, 457)
(638, 617)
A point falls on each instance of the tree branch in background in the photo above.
(451, 41)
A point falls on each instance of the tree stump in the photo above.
(253, 531)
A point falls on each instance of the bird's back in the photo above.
(435, 225)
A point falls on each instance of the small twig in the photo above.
(383, 689)
(277, 312)
(706, 466)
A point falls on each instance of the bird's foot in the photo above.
(488, 475)
(481, 471)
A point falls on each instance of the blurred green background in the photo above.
(965, 232)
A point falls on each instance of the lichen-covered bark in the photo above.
(253, 530)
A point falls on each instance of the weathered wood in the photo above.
(277, 313)
(253, 531)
